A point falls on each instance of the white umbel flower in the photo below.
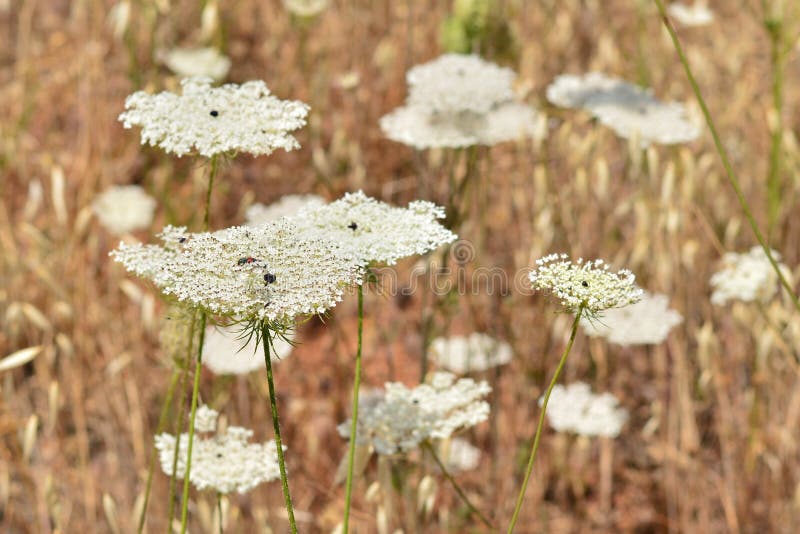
(225, 353)
(305, 8)
(260, 273)
(748, 276)
(575, 408)
(224, 462)
(374, 232)
(460, 455)
(474, 353)
(589, 285)
(698, 14)
(205, 419)
(647, 322)
(215, 120)
(406, 417)
(124, 208)
(287, 205)
(625, 108)
(188, 62)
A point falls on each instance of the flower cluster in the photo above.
(373, 232)
(647, 322)
(124, 208)
(575, 408)
(625, 108)
(589, 285)
(459, 455)
(406, 417)
(305, 8)
(220, 120)
(224, 462)
(748, 276)
(474, 353)
(263, 273)
(225, 353)
(457, 101)
(187, 62)
(287, 205)
(698, 14)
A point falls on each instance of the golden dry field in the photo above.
(711, 443)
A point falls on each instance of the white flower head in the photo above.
(460, 455)
(408, 416)
(224, 462)
(260, 273)
(459, 82)
(584, 284)
(124, 208)
(372, 231)
(748, 276)
(215, 120)
(698, 14)
(305, 8)
(225, 351)
(188, 62)
(576, 409)
(205, 419)
(647, 322)
(474, 353)
(287, 205)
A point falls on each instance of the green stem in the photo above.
(449, 477)
(219, 511)
(211, 175)
(775, 29)
(351, 453)
(540, 426)
(195, 392)
(723, 154)
(265, 339)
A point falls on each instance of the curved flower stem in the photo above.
(211, 175)
(265, 339)
(723, 154)
(195, 391)
(539, 427)
(351, 453)
(473, 510)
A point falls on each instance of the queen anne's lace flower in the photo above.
(748, 276)
(124, 208)
(646, 322)
(627, 109)
(460, 455)
(219, 120)
(225, 352)
(474, 353)
(698, 14)
(287, 205)
(405, 417)
(588, 285)
(264, 273)
(305, 8)
(225, 462)
(575, 409)
(187, 62)
(375, 232)
(205, 419)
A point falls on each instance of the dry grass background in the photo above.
(713, 441)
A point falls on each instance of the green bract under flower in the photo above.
(252, 273)
(215, 120)
(373, 232)
(588, 285)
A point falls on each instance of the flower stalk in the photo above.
(351, 453)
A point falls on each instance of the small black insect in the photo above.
(353, 226)
(270, 278)
(242, 261)
(182, 240)
(214, 113)
(585, 283)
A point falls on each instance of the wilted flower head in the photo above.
(226, 352)
(124, 208)
(187, 62)
(474, 353)
(305, 8)
(698, 14)
(589, 285)
(625, 108)
(287, 205)
(407, 417)
(646, 322)
(576, 409)
(215, 120)
(261, 273)
(372, 231)
(225, 462)
(748, 276)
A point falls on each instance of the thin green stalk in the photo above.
(211, 175)
(219, 511)
(351, 453)
(195, 392)
(540, 426)
(265, 339)
(723, 154)
(774, 27)
(461, 494)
